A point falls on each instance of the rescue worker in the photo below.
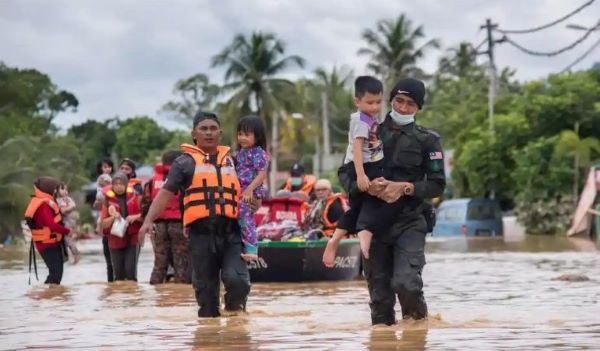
(128, 167)
(43, 218)
(324, 213)
(300, 182)
(206, 176)
(413, 172)
(169, 244)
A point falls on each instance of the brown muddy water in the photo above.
(483, 295)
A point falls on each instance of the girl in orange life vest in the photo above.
(44, 219)
(122, 202)
(251, 167)
(127, 166)
(207, 176)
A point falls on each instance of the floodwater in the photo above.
(483, 294)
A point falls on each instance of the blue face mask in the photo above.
(296, 181)
(402, 119)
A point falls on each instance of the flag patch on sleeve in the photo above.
(436, 155)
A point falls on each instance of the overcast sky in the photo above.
(122, 58)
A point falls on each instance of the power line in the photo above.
(580, 58)
(552, 53)
(555, 22)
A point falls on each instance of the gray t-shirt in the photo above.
(364, 126)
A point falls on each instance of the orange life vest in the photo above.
(308, 182)
(328, 226)
(44, 234)
(215, 190)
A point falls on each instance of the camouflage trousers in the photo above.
(170, 248)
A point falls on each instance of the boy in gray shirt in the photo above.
(363, 163)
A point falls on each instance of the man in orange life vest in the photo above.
(300, 182)
(326, 210)
(170, 245)
(206, 175)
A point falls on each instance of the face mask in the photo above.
(402, 119)
(296, 181)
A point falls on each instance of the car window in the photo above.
(481, 212)
(455, 213)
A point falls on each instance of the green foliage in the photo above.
(96, 140)
(196, 93)
(546, 216)
(138, 136)
(24, 159)
(394, 49)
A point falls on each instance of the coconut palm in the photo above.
(252, 65)
(394, 50)
(460, 60)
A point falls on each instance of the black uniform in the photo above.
(411, 154)
(215, 247)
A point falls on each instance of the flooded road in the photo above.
(482, 294)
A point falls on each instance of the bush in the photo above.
(551, 216)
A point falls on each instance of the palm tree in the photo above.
(460, 60)
(393, 48)
(196, 92)
(252, 65)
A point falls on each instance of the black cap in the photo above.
(201, 116)
(413, 88)
(296, 170)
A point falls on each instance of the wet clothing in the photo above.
(109, 268)
(124, 262)
(54, 259)
(170, 247)
(412, 154)
(215, 247)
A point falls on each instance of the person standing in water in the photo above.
(206, 175)
(122, 202)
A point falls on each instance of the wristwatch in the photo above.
(409, 190)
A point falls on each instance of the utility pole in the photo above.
(326, 140)
(489, 26)
(274, 150)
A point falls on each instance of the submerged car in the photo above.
(468, 217)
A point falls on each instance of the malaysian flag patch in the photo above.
(436, 155)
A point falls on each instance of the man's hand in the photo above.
(393, 191)
(145, 229)
(249, 257)
(377, 185)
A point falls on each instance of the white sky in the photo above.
(122, 58)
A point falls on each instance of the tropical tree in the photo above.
(581, 150)
(196, 93)
(252, 67)
(459, 62)
(138, 136)
(394, 48)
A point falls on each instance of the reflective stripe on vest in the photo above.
(215, 189)
(44, 234)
